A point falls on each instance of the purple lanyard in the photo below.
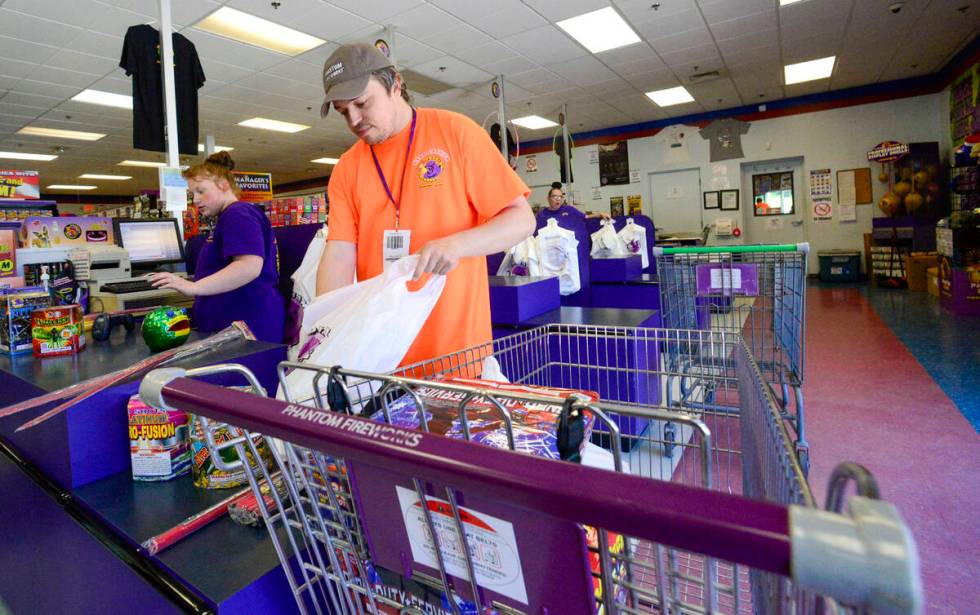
(401, 190)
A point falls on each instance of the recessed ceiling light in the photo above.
(267, 124)
(37, 131)
(534, 122)
(326, 160)
(785, 2)
(809, 71)
(70, 187)
(217, 148)
(670, 96)
(141, 163)
(108, 177)
(600, 30)
(108, 99)
(23, 156)
(256, 31)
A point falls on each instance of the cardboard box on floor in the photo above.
(932, 281)
(916, 264)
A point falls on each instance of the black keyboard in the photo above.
(127, 286)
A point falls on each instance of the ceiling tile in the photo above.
(715, 11)
(31, 100)
(753, 57)
(508, 17)
(77, 12)
(53, 90)
(98, 44)
(456, 72)
(642, 11)
(66, 77)
(487, 53)
(745, 42)
(655, 80)
(232, 52)
(545, 45)
(31, 27)
(25, 51)
(16, 68)
(81, 62)
(189, 13)
(511, 66)
(424, 21)
(705, 54)
(640, 67)
(314, 18)
(410, 52)
(803, 49)
(745, 25)
(377, 11)
(582, 71)
(631, 53)
(681, 41)
(666, 25)
(459, 40)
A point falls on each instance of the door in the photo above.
(675, 201)
(772, 201)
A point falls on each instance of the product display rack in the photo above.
(18, 209)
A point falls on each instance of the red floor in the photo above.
(869, 400)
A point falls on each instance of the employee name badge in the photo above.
(395, 246)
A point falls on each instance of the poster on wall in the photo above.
(820, 185)
(255, 187)
(531, 164)
(614, 164)
(634, 204)
(615, 206)
(16, 184)
(634, 176)
(846, 213)
(822, 210)
(594, 155)
(596, 193)
(964, 112)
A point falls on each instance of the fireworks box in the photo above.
(159, 443)
(57, 331)
(534, 424)
(16, 306)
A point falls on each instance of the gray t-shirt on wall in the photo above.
(725, 138)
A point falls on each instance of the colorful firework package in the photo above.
(159, 443)
(534, 423)
(57, 331)
(206, 474)
(16, 307)
(165, 328)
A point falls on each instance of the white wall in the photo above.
(835, 139)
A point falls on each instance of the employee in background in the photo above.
(558, 208)
(237, 276)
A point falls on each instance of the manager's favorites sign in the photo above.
(255, 187)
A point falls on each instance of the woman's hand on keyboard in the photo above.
(173, 282)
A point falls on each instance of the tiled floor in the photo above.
(888, 385)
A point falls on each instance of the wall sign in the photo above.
(888, 151)
(255, 187)
(20, 185)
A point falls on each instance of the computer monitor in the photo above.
(150, 242)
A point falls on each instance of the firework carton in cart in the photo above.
(16, 306)
(57, 331)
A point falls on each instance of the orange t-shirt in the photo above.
(455, 180)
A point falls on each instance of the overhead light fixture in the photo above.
(670, 96)
(267, 124)
(142, 163)
(533, 122)
(217, 148)
(108, 177)
(108, 99)
(70, 187)
(785, 2)
(253, 30)
(23, 156)
(809, 71)
(326, 160)
(600, 30)
(37, 131)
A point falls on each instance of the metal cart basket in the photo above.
(758, 291)
(374, 516)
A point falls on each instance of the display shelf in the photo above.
(18, 209)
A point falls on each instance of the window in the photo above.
(772, 194)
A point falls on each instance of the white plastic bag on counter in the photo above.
(558, 254)
(304, 290)
(521, 260)
(606, 241)
(367, 326)
(634, 237)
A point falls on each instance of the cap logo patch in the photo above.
(333, 71)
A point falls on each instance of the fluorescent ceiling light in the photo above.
(785, 2)
(108, 177)
(671, 96)
(256, 31)
(70, 187)
(809, 71)
(534, 122)
(97, 97)
(37, 131)
(217, 148)
(326, 160)
(23, 156)
(141, 163)
(267, 124)
(600, 30)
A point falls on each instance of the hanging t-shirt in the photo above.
(558, 256)
(675, 143)
(454, 180)
(141, 59)
(725, 138)
(634, 237)
(242, 228)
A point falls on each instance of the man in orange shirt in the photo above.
(418, 181)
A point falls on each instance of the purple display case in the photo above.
(957, 292)
(616, 268)
(592, 225)
(642, 293)
(514, 299)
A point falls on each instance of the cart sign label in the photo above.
(363, 427)
(19, 184)
(728, 280)
(888, 151)
(493, 547)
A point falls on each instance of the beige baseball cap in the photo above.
(347, 71)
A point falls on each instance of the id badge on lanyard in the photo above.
(395, 245)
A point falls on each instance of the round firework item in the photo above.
(166, 328)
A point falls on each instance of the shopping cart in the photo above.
(758, 291)
(379, 518)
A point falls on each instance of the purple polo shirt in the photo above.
(562, 212)
(242, 228)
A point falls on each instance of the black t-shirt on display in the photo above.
(141, 58)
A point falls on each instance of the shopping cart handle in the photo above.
(787, 247)
(867, 558)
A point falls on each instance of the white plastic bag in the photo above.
(368, 325)
(606, 242)
(521, 260)
(558, 254)
(634, 237)
(304, 290)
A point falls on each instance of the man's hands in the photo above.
(439, 256)
(174, 282)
